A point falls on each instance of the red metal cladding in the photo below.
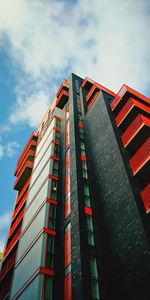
(67, 165)
(67, 260)
(23, 176)
(87, 81)
(29, 156)
(32, 140)
(83, 158)
(67, 288)
(67, 135)
(92, 92)
(130, 104)
(67, 183)
(13, 241)
(120, 96)
(18, 220)
(134, 128)
(8, 265)
(145, 195)
(92, 100)
(24, 189)
(23, 200)
(67, 207)
(62, 99)
(141, 157)
(88, 211)
(64, 85)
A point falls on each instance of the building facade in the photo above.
(80, 228)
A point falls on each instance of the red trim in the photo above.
(88, 211)
(83, 158)
(53, 177)
(134, 128)
(124, 89)
(49, 231)
(49, 272)
(130, 104)
(34, 134)
(92, 100)
(145, 195)
(49, 200)
(21, 203)
(80, 125)
(141, 157)
(21, 193)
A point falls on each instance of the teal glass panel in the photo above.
(93, 267)
(87, 201)
(45, 136)
(41, 196)
(95, 289)
(42, 153)
(48, 288)
(35, 227)
(31, 262)
(40, 168)
(86, 190)
(33, 290)
(38, 183)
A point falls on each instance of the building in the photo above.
(80, 228)
(1, 256)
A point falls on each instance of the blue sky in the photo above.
(41, 43)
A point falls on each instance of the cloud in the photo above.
(104, 40)
(9, 150)
(1, 151)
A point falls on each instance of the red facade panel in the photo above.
(134, 128)
(141, 157)
(67, 260)
(67, 288)
(130, 104)
(145, 195)
(122, 92)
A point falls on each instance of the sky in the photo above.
(41, 43)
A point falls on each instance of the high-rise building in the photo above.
(80, 228)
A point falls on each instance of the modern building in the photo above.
(1, 256)
(80, 228)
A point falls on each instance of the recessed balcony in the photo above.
(23, 175)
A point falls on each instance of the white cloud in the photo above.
(1, 152)
(9, 150)
(105, 40)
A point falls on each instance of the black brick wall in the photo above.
(122, 247)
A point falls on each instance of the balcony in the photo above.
(129, 111)
(123, 95)
(23, 191)
(140, 162)
(23, 175)
(94, 89)
(20, 205)
(62, 99)
(16, 223)
(87, 83)
(12, 242)
(136, 134)
(145, 195)
(8, 265)
(31, 144)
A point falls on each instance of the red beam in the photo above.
(145, 195)
(140, 158)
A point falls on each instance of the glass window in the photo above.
(50, 252)
(90, 230)
(83, 153)
(86, 190)
(57, 136)
(48, 288)
(67, 270)
(55, 168)
(52, 218)
(58, 124)
(87, 201)
(95, 289)
(85, 174)
(68, 227)
(82, 145)
(93, 267)
(56, 150)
